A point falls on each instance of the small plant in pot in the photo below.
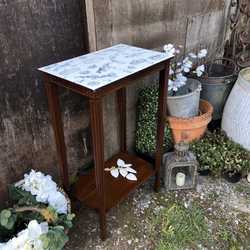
(221, 156)
(184, 92)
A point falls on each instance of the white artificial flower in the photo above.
(169, 49)
(123, 169)
(39, 185)
(27, 239)
(192, 55)
(202, 53)
(177, 83)
(58, 201)
(171, 71)
(36, 230)
(200, 70)
(187, 65)
(170, 84)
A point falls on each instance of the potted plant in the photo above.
(219, 155)
(184, 92)
(39, 218)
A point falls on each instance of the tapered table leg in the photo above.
(96, 119)
(56, 121)
(162, 110)
(121, 101)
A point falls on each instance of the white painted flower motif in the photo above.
(200, 70)
(202, 53)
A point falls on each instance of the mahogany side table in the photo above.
(95, 75)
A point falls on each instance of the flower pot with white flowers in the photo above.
(39, 218)
(184, 92)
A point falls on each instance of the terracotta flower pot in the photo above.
(189, 129)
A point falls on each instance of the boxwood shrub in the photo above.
(146, 124)
(216, 152)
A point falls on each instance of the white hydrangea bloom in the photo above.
(39, 185)
(45, 189)
(58, 201)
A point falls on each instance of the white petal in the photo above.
(114, 172)
(123, 171)
(131, 170)
(192, 55)
(127, 165)
(131, 177)
(120, 163)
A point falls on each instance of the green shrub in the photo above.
(146, 124)
(219, 154)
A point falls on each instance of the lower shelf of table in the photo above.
(116, 189)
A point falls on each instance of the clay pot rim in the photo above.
(205, 106)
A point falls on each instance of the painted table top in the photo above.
(103, 67)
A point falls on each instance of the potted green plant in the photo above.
(183, 91)
(221, 156)
(39, 218)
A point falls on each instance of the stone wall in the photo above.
(35, 33)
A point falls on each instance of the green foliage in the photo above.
(65, 220)
(220, 154)
(181, 227)
(55, 239)
(22, 197)
(27, 209)
(7, 219)
(146, 125)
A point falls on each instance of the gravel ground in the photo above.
(131, 224)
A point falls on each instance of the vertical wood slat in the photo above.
(162, 112)
(92, 45)
(121, 101)
(56, 120)
(96, 119)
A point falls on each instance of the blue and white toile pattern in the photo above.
(106, 66)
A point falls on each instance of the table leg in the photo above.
(162, 110)
(96, 119)
(121, 101)
(56, 120)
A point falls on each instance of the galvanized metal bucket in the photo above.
(218, 83)
(186, 103)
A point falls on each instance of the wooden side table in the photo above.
(95, 75)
